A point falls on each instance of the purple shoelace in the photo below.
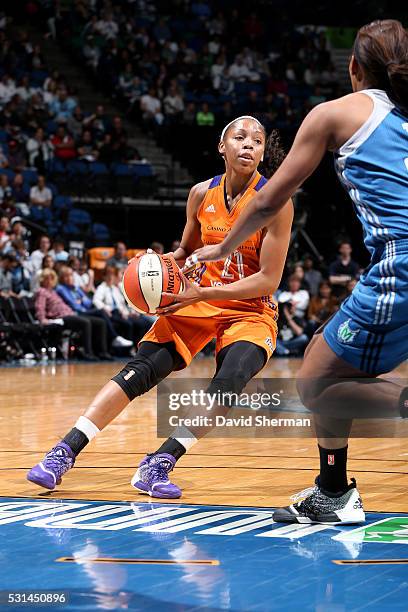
(58, 461)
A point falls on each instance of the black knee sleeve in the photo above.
(137, 377)
(152, 363)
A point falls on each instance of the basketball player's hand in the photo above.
(190, 295)
(211, 252)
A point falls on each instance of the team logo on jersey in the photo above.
(345, 334)
(405, 126)
(210, 208)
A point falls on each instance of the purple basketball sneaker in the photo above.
(48, 473)
(152, 476)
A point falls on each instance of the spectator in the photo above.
(82, 304)
(24, 91)
(64, 145)
(20, 275)
(173, 104)
(4, 231)
(119, 259)
(83, 276)
(7, 263)
(62, 107)
(51, 309)
(175, 245)
(150, 107)
(343, 268)
(292, 339)
(205, 117)
(40, 150)
(118, 139)
(299, 298)
(7, 89)
(48, 263)
(313, 277)
(37, 256)
(5, 189)
(20, 192)
(19, 232)
(86, 147)
(299, 272)
(189, 115)
(157, 247)
(3, 158)
(40, 194)
(16, 155)
(58, 252)
(75, 123)
(108, 297)
(106, 153)
(321, 307)
(91, 52)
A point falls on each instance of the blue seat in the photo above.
(100, 233)
(54, 189)
(143, 170)
(61, 203)
(122, 170)
(78, 216)
(51, 127)
(30, 176)
(71, 229)
(77, 167)
(98, 169)
(3, 136)
(8, 173)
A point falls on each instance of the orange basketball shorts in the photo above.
(190, 333)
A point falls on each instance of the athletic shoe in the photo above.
(48, 473)
(152, 476)
(314, 505)
(120, 342)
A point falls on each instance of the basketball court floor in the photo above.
(106, 547)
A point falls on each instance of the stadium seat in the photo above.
(133, 252)
(98, 257)
(100, 233)
(30, 176)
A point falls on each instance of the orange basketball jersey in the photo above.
(216, 221)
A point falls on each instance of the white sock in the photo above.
(87, 427)
(184, 437)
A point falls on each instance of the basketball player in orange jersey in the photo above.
(235, 306)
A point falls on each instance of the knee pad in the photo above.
(137, 377)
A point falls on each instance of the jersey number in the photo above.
(240, 265)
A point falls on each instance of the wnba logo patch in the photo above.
(330, 459)
(345, 333)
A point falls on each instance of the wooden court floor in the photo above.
(39, 405)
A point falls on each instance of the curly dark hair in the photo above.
(274, 154)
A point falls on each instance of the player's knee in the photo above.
(234, 382)
(137, 377)
(310, 390)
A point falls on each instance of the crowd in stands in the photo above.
(46, 140)
(63, 292)
(203, 63)
(309, 296)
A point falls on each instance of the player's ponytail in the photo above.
(274, 154)
(381, 50)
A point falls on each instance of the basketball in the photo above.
(146, 278)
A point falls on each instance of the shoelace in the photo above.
(59, 464)
(158, 472)
(303, 494)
